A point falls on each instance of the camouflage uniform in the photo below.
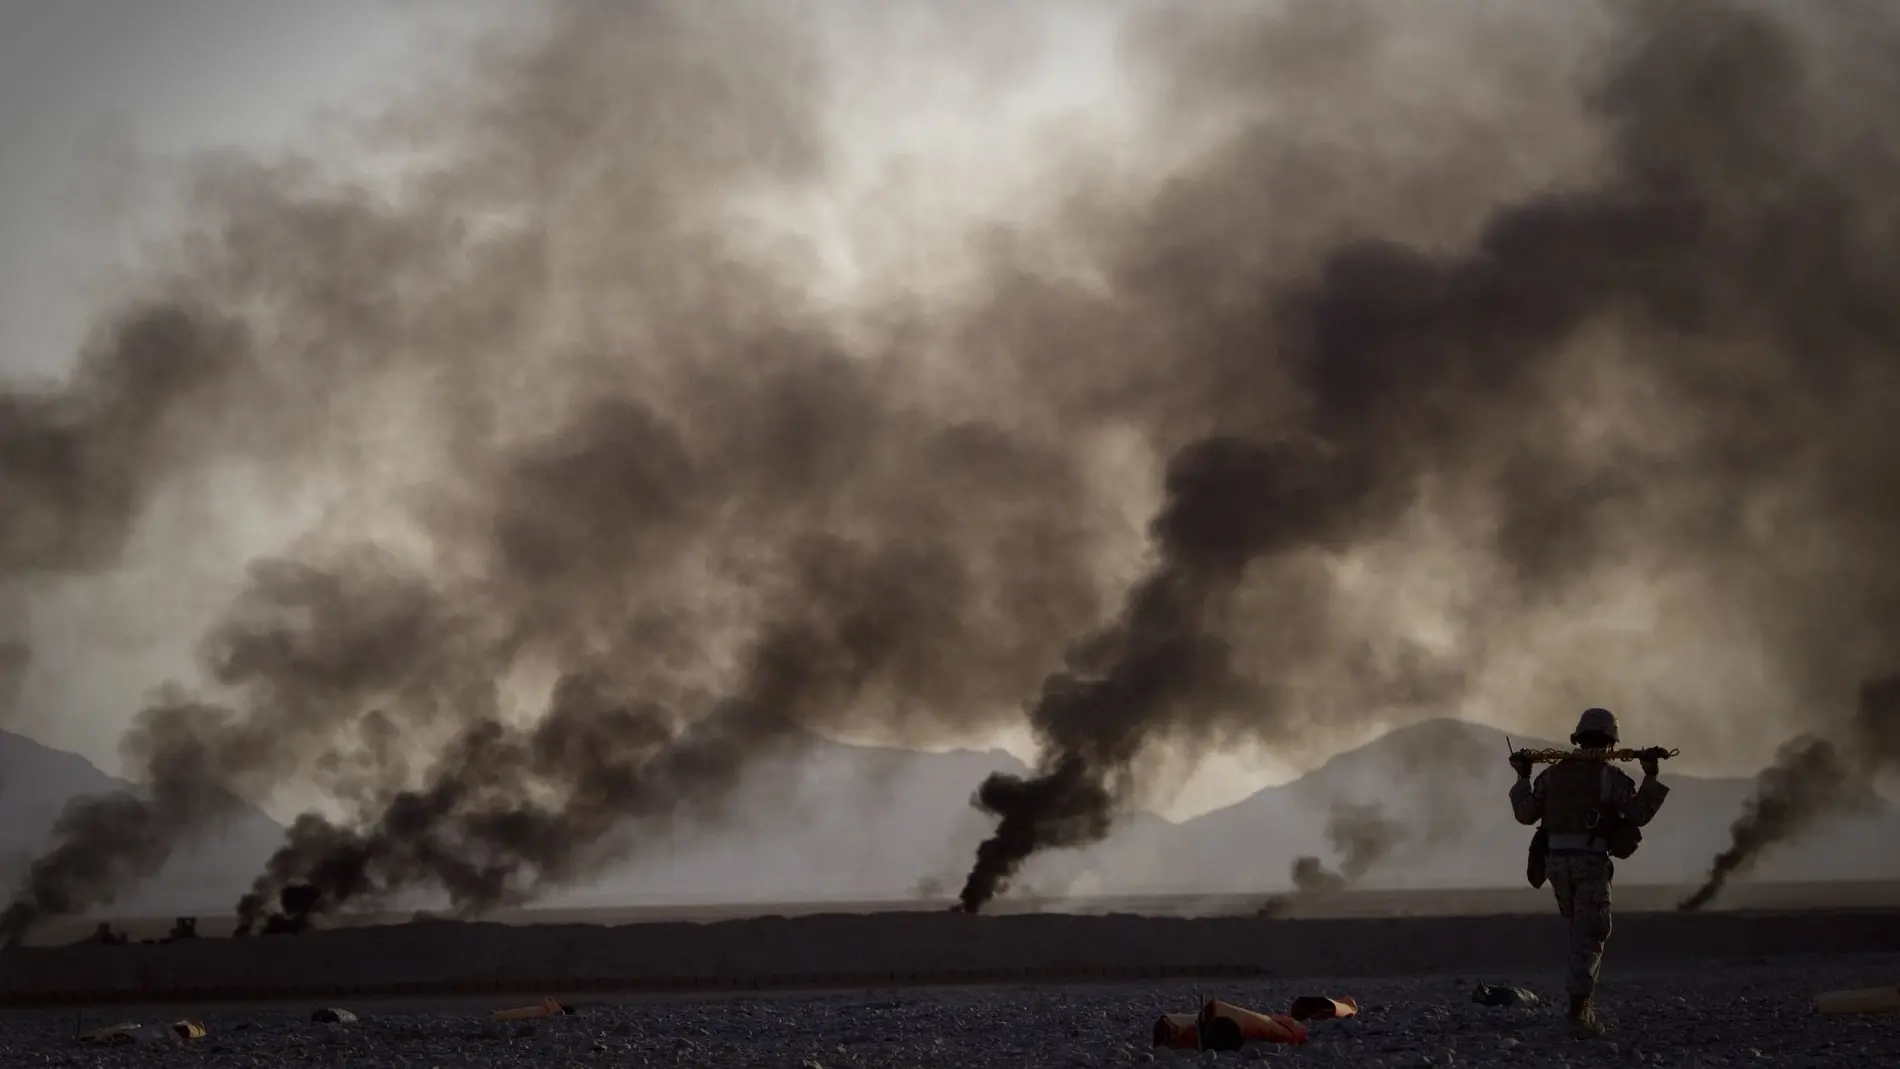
(1580, 867)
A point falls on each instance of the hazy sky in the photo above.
(103, 103)
(100, 100)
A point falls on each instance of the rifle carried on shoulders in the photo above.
(1624, 838)
(1544, 757)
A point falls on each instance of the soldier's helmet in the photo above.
(1596, 722)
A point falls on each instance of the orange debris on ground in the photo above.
(1321, 1008)
(1178, 1031)
(1227, 1027)
(547, 1008)
(1864, 1000)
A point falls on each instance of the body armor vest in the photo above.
(1574, 791)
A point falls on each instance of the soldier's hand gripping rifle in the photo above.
(1624, 837)
(1654, 753)
(1522, 760)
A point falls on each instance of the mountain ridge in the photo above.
(832, 820)
(36, 783)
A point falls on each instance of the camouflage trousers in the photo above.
(1582, 885)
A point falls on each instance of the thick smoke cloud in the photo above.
(628, 503)
(1467, 374)
(1228, 502)
(15, 655)
(111, 841)
(1811, 781)
(660, 490)
(79, 464)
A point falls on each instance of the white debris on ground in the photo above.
(1707, 1016)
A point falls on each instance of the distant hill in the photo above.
(37, 781)
(857, 822)
(1446, 783)
(832, 821)
(836, 821)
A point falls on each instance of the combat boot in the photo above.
(1583, 1018)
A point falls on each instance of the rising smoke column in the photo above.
(646, 467)
(111, 841)
(508, 812)
(1229, 501)
(1425, 372)
(1811, 781)
(300, 649)
(599, 431)
(1361, 834)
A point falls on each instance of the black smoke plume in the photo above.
(112, 841)
(1361, 834)
(1228, 502)
(1421, 371)
(655, 472)
(1810, 782)
(1431, 353)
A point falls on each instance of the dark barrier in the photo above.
(439, 958)
(618, 986)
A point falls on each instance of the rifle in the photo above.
(1623, 838)
(1552, 755)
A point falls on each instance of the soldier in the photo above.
(1578, 801)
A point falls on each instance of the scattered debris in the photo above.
(114, 1035)
(1321, 1008)
(1502, 995)
(127, 1033)
(1863, 1000)
(332, 1015)
(1224, 1026)
(548, 1007)
(1178, 1031)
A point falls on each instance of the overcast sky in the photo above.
(103, 102)
(101, 99)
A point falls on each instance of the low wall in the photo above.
(448, 957)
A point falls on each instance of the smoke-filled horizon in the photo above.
(1456, 359)
(1424, 373)
(1812, 780)
(1360, 834)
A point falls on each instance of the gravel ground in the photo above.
(1753, 1015)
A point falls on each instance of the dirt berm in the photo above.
(448, 957)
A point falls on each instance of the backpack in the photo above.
(1620, 835)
